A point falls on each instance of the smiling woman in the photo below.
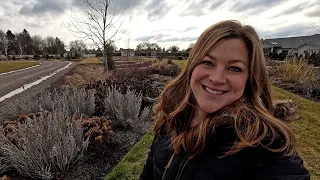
(216, 120)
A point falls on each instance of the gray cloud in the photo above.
(217, 4)
(157, 9)
(144, 38)
(253, 6)
(16, 2)
(164, 38)
(123, 5)
(155, 37)
(314, 12)
(199, 8)
(44, 6)
(295, 9)
(128, 5)
(178, 39)
(288, 31)
(189, 29)
(196, 8)
(33, 24)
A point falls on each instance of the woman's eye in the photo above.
(235, 69)
(208, 63)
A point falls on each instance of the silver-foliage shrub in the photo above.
(78, 101)
(125, 108)
(43, 146)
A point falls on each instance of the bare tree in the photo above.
(174, 49)
(96, 20)
(38, 44)
(79, 45)
(20, 49)
(4, 42)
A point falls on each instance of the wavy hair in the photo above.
(252, 116)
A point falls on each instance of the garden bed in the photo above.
(91, 96)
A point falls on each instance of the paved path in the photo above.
(13, 81)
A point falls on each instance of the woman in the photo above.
(216, 120)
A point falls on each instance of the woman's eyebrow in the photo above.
(236, 60)
(211, 57)
(230, 62)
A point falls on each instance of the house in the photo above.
(148, 53)
(127, 52)
(73, 53)
(89, 55)
(293, 45)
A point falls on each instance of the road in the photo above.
(13, 81)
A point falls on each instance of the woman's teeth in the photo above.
(213, 92)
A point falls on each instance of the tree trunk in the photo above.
(105, 60)
(6, 51)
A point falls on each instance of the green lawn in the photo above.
(180, 63)
(131, 165)
(307, 131)
(7, 66)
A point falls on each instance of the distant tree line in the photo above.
(24, 44)
(153, 49)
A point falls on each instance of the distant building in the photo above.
(148, 53)
(127, 52)
(293, 45)
(89, 55)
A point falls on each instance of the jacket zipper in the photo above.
(166, 168)
(183, 164)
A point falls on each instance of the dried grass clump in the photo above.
(165, 68)
(42, 147)
(286, 110)
(294, 70)
(85, 74)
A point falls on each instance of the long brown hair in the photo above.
(252, 116)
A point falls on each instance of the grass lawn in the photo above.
(7, 66)
(91, 60)
(307, 131)
(131, 165)
(180, 63)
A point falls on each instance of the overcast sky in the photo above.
(167, 22)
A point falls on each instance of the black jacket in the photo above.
(251, 163)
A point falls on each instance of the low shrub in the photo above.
(42, 147)
(316, 60)
(124, 109)
(74, 101)
(149, 82)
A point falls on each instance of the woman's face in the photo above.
(220, 78)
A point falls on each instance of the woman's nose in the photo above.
(217, 76)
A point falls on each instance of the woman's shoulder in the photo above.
(275, 165)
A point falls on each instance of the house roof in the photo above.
(131, 50)
(293, 42)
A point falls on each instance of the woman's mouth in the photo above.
(214, 92)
